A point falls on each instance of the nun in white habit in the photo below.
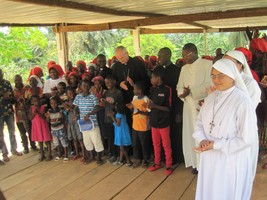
(226, 131)
(252, 86)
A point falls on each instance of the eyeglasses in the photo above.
(186, 56)
(218, 76)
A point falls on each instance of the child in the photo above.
(110, 98)
(40, 128)
(87, 106)
(55, 116)
(160, 120)
(35, 87)
(98, 90)
(122, 133)
(61, 89)
(141, 126)
(73, 79)
(73, 128)
(21, 112)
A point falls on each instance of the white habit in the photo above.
(197, 77)
(226, 172)
(253, 89)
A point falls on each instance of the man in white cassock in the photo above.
(252, 86)
(226, 131)
(191, 88)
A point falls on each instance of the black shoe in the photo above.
(34, 148)
(25, 151)
(194, 171)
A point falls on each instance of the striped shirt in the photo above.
(86, 104)
(56, 117)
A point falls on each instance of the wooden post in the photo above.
(136, 42)
(205, 41)
(62, 48)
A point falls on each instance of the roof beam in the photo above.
(86, 7)
(198, 25)
(167, 31)
(24, 25)
(190, 18)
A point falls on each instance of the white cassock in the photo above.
(253, 89)
(197, 77)
(227, 171)
(51, 83)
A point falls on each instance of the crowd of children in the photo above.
(52, 113)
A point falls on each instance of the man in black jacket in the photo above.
(127, 71)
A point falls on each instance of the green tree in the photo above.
(149, 44)
(87, 45)
(20, 49)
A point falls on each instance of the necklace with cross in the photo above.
(212, 124)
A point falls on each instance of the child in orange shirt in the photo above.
(141, 134)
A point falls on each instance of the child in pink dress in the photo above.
(40, 128)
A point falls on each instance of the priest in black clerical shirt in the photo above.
(171, 75)
(127, 71)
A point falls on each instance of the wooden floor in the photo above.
(27, 178)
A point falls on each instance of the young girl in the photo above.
(122, 133)
(55, 116)
(98, 91)
(40, 128)
(73, 128)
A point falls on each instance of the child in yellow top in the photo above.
(141, 126)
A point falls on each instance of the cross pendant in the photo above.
(211, 126)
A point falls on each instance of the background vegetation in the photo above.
(23, 48)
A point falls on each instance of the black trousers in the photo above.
(109, 132)
(23, 134)
(141, 144)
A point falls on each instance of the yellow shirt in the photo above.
(140, 121)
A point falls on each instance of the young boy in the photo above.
(21, 113)
(141, 126)
(61, 89)
(160, 103)
(56, 119)
(87, 106)
(110, 98)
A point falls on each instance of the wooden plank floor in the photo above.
(26, 178)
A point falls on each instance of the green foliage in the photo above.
(150, 44)
(87, 45)
(20, 45)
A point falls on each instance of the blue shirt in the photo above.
(86, 104)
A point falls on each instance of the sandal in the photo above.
(129, 164)
(41, 158)
(75, 157)
(48, 158)
(99, 162)
(2, 162)
(83, 160)
(65, 159)
(16, 153)
(264, 166)
(6, 158)
(57, 158)
(86, 162)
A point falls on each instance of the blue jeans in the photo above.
(11, 129)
